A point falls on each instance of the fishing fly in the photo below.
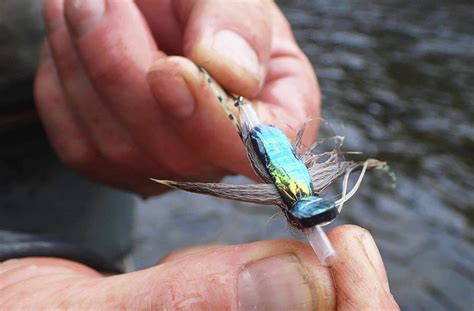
(292, 181)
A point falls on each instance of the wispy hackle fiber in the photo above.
(323, 173)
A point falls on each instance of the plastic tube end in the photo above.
(321, 245)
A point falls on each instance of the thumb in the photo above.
(231, 39)
(271, 275)
(196, 115)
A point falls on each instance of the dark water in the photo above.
(397, 80)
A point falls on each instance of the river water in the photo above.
(397, 80)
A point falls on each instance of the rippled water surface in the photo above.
(397, 80)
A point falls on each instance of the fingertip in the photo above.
(340, 232)
(208, 129)
(176, 64)
(232, 61)
(82, 15)
(347, 241)
(232, 41)
(344, 235)
(53, 14)
(356, 272)
(168, 84)
(374, 256)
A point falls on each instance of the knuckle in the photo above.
(121, 153)
(39, 91)
(45, 90)
(291, 245)
(111, 71)
(181, 165)
(179, 168)
(184, 291)
(76, 154)
(64, 57)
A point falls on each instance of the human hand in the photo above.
(119, 109)
(268, 275)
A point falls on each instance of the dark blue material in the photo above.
(314, 210)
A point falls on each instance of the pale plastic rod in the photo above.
(248, 117)
(321, 245)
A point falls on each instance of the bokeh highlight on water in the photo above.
(396, 79)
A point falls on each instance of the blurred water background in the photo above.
(397, 81)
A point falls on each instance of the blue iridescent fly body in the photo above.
(289, 174)
(291, 177)
(278, 163)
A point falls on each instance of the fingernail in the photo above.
(82, 15)
(172, 94)
(375, 258)
(275, 283)
(233, 48)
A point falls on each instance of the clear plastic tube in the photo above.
(321, 245)
(248, 117)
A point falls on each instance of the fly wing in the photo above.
(324, 174)
(327, 167)
(265, 194)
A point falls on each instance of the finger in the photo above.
(24, 269)
(66, 136)
(15, 263)
(359, 275)
(272, 275)
(104, 131)
(167, 30)
(69, 140)
(231, 39)
(205, 126)
(275, 275)
(187, 252)
(116, 51)
(291, 95)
